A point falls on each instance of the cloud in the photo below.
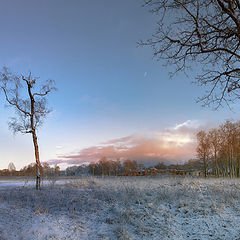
(59, 147)
(173, 144)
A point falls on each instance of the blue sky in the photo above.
(108, 87)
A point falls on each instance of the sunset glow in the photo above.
(171, 144)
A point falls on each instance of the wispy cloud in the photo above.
(172, 144)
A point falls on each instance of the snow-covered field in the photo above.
(122, 208)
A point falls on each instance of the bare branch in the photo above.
(206, 32)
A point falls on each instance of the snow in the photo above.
(122, 208)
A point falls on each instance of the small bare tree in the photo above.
(11, 168)
(206, 32)
(30, 106)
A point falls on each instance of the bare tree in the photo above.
(230, 145)
(206, 32)
(11, 167)
(214, 142)
(30, 106)
(203, 150)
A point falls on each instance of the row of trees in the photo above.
(30, 170)
(104, 167)
(219, 150)
(107, 167)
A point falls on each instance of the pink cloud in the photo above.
(172, 144)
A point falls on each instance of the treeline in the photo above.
(109, 167)
(104, 167)
(30, 170)
(219, 150)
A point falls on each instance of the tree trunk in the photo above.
(216, 163)
(34, 136)
(38, 164)
(238, 167)
(205, 165)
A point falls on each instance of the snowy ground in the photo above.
(122, 208)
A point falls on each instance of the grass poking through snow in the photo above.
(123, 208)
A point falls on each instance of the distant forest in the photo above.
(104, 167)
